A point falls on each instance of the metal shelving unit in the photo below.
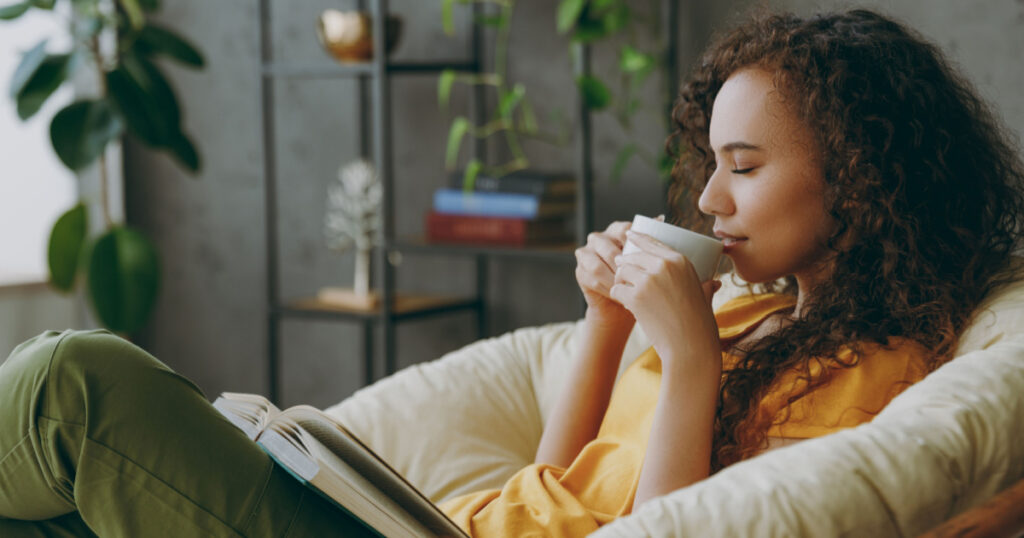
(374, 86)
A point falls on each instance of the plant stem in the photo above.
(102, 79)
(501, 68)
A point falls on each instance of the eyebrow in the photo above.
(733, 146)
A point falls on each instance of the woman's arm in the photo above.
(581, 406)
(606, 327)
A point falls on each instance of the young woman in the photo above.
(839, 153)
(846, 166)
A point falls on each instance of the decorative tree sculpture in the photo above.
(354, 217)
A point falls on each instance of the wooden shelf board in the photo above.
(542, 250)
(404, 304)
(330, 69)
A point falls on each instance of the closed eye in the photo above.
(743, 170)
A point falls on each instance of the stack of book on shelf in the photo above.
(519, 209)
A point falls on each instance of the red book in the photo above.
(448, 228)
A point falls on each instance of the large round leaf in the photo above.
(158, 40)
(30, 62)
(54, 70)
(144, 117)
(65, 247)
(14, 11)
(82, 130)
(124, 278)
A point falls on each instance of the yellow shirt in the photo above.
(600, 484)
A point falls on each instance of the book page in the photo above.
(248, 412)
(339, 441)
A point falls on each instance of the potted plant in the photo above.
(585, 22)
(119, 267)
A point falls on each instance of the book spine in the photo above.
(512, 205)
(469, 229)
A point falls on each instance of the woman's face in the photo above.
(766, 193)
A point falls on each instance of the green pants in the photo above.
(97, 437)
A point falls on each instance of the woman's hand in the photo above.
(595, 273)
(662, 291)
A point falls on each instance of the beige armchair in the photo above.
(472, 418)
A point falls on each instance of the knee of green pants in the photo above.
(54, 386)
(26, 489)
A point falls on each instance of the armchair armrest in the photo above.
(946, 444)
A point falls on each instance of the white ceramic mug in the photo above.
(702, 251)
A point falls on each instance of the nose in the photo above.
(715, 200)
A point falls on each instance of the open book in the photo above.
(322, 454)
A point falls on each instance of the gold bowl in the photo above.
(348, 35)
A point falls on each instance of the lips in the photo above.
(728, 240)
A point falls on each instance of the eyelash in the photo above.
(743, 170)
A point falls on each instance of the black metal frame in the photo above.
(374, 84)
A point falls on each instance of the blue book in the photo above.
(499, 204)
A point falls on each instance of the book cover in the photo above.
(499, 204)
(537, 184)
(496, 230)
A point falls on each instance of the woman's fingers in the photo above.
(617, 230)
(592, 270)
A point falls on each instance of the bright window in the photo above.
(35, 188)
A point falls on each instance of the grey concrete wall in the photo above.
(210, 322)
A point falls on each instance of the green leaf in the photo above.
(185, 151)
(447, 17)
(444, 87)
(665, 164)
(149, 109)
(134, 12)
(494, 21)
(150, 5)
(528, 118)
(65, 247)
(459, 128)
(30, 62)
(54, 70)
(616, 19)
(588, 31)
(634, 61)
(594, 93)
(13, 11)
(568, 14)
(124, 278)
(82, 130)
(509, 100)
(156, 40)
(472, 171)
(43, 4)
(621, 160)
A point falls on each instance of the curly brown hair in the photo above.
(920, 177)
